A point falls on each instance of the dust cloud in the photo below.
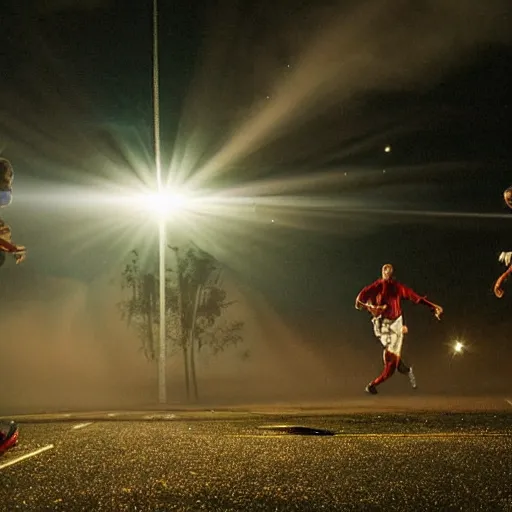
(65, 348)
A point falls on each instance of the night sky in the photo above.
(308, 94)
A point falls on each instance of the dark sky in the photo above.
(307, 89)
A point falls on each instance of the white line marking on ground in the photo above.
(82, 425)
(28, 455)
(159, 417)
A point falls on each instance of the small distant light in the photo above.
(387, 149)
(458, 347)
(272, 221)
(384, 171)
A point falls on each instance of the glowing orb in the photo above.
(458, 347)
(387, 149)
(164, 204)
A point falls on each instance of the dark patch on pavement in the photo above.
(298, 430)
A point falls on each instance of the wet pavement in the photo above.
(253, 460)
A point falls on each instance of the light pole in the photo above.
(162, 391)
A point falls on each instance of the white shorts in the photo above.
(389, 333)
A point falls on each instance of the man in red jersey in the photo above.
(382, 299)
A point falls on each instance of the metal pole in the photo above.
(162, 394)
(162, 391)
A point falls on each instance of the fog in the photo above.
(276, 86)
(68, 349)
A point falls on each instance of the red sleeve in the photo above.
(410, 294)
(367, 293)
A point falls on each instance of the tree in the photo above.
(195, 305)
(204, 301)
(141, 309)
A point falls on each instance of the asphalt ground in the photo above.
(362, 455)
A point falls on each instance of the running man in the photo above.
(382, 299)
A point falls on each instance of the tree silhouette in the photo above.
(195, 303)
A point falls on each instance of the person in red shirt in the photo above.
(382, 299)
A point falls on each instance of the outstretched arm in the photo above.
(19, 251)
(436, 309)
(408, 293)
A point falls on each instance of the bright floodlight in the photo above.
(165, 204)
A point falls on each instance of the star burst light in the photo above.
(458, 347)
(165, 204)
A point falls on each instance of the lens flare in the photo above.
(165, 204)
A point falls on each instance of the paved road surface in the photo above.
(243, 460)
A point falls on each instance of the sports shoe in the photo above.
(412, 378)
(8, 436)
(371, 389)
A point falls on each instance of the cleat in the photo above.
(371, 389)
(8, 436)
